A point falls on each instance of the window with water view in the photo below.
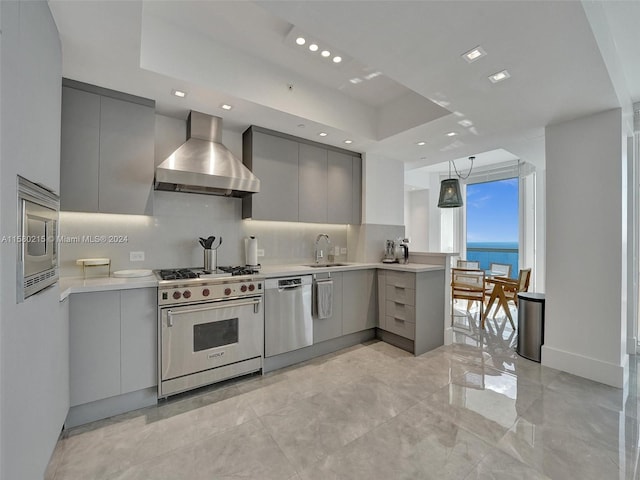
(492, 223)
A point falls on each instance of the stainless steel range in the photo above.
(210, 326)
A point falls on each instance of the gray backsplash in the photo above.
(170, 237)
(367, 241)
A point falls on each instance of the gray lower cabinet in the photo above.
(112, 343)
(94, 346)
(359, 300)
(328, 328)
(411, 309)
(138, 338)
(106, 151)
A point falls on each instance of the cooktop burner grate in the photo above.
(187, 273)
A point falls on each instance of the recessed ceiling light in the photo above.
(348, 141)
(474, 54)
(300, 41)
(224, 106)
(421, 143)
(313, 47)
(337, 59)
(325, 53)
(465, 123)
(372, 75)
(323, 134)
(355, 80)
(499, 76)
(451, 134)
(179, 93)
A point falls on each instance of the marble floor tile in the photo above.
(501, 466)
(598, 393)
(558, 453)
(310, 430)
(470, 410)
(412, 445)
(244, 452)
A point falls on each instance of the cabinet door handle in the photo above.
(398, 319)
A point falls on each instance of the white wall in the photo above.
(585, 248)
(417, 210)
(383, 190)
(33, 336)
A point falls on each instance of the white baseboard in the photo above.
(448, 334)
(587, 367)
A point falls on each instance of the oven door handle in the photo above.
(171, 313)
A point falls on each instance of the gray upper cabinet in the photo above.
(274, 160)
(80, 150)
(356, 192)
(340, 174)
(312, 176)
(126, 156)
(107, 150)
(300, 180)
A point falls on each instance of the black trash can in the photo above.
(530, 325)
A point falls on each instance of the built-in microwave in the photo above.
(37, 266)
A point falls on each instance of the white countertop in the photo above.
(69, 285)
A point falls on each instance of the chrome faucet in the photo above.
(319, 253)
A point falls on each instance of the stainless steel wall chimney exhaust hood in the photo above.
(203, 165)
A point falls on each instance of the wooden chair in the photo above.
(497, 270)
(506, 290)
(500, 269)
(467, 285)
(468, 264)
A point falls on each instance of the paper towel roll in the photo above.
(251, 250)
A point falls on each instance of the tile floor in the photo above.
(470, 410)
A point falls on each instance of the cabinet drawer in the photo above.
(401, 279)
(401, 311)
(400, 327)
(401, 295)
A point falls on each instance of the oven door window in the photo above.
(215, 334)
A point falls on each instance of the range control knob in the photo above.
(227, 291)
(243, 288)
(206, 292)
(252, 287)
(186, 294)
(176, 295)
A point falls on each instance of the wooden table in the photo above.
(497, 293)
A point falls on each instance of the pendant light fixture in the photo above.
(450, 192)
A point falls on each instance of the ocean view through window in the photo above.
(492, 223)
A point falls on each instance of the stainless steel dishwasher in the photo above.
(287, 316)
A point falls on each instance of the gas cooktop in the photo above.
(193, 273)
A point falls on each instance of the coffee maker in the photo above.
(390, 252)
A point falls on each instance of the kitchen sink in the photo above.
(322, 265)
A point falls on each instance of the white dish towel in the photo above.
(324, 298)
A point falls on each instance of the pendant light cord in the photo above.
(458, 173)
